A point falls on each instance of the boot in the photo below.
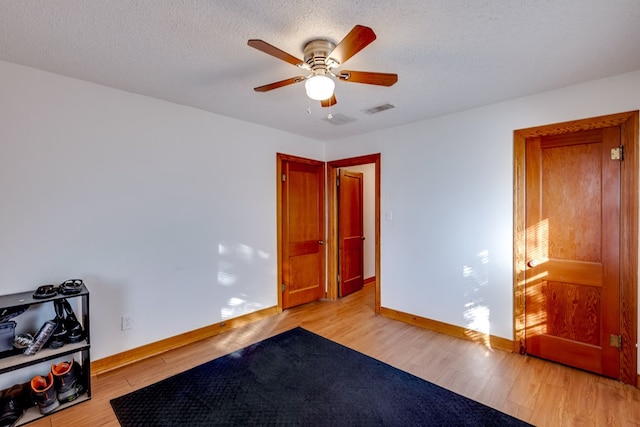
(65, 378)
(59, 336)
(73, 327)
(44, 393)
(12, 405)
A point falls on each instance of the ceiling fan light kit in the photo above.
(319, 87)
(320, 58)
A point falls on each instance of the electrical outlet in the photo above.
(127, 322)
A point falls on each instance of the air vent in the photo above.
(379, 108)
(338, 119)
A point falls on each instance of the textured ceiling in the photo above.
(450, 55)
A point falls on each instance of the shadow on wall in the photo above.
(476, 312)
(235, 266)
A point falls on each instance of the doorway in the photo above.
(284, 265)
(557, 281)
(333, 240)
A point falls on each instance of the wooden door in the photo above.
(350, 231)
(302, 254)
(572, 290)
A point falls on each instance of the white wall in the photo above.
(167, 218)
(448, 182)
(167, 212)
(369, 215)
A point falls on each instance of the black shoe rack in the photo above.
(16, 367)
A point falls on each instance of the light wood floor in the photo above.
(539, 392)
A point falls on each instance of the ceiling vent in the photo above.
(379, 108)
(338, 119)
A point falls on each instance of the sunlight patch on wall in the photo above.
(245, 252)
(476, 313)
(225, 275)
(235, 268)
(226, 279)
(235, 302)
(477, 317)
(238, 307)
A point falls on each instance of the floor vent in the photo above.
(379, 108)
(338, 119)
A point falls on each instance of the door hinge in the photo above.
(617, 153)
(283, 287)
(283, 177)
(338, 182)
(615, 341)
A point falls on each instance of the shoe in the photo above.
(11, 405)
(9, 313)
(45, 291)
(59, 335)
(70, 287)
(44, 393)
(22, 341)
(65, 379)
(75, 333)
(41, 338)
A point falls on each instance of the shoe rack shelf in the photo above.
(19, 361)
(14, 361)
(33, 414)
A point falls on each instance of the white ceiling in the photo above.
(450, 55)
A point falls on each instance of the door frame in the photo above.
(629, 171)
(332, 239)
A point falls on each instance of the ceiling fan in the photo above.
(321, 59)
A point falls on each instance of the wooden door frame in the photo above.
(280, 159)
(332, 240)
(628, 123)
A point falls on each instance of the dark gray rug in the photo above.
(302, 379)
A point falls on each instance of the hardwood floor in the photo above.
(536, 391)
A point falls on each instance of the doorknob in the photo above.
(363, 237)
(533, 263)
(321, 242)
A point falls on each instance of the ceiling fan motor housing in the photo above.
(316, 56)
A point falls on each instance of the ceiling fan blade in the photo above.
(329, 102)
(357, 39)
(281, 83)
(265, 47)
(381, 79)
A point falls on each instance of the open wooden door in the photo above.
(350, 231)
(573, 249)
(301, 220)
